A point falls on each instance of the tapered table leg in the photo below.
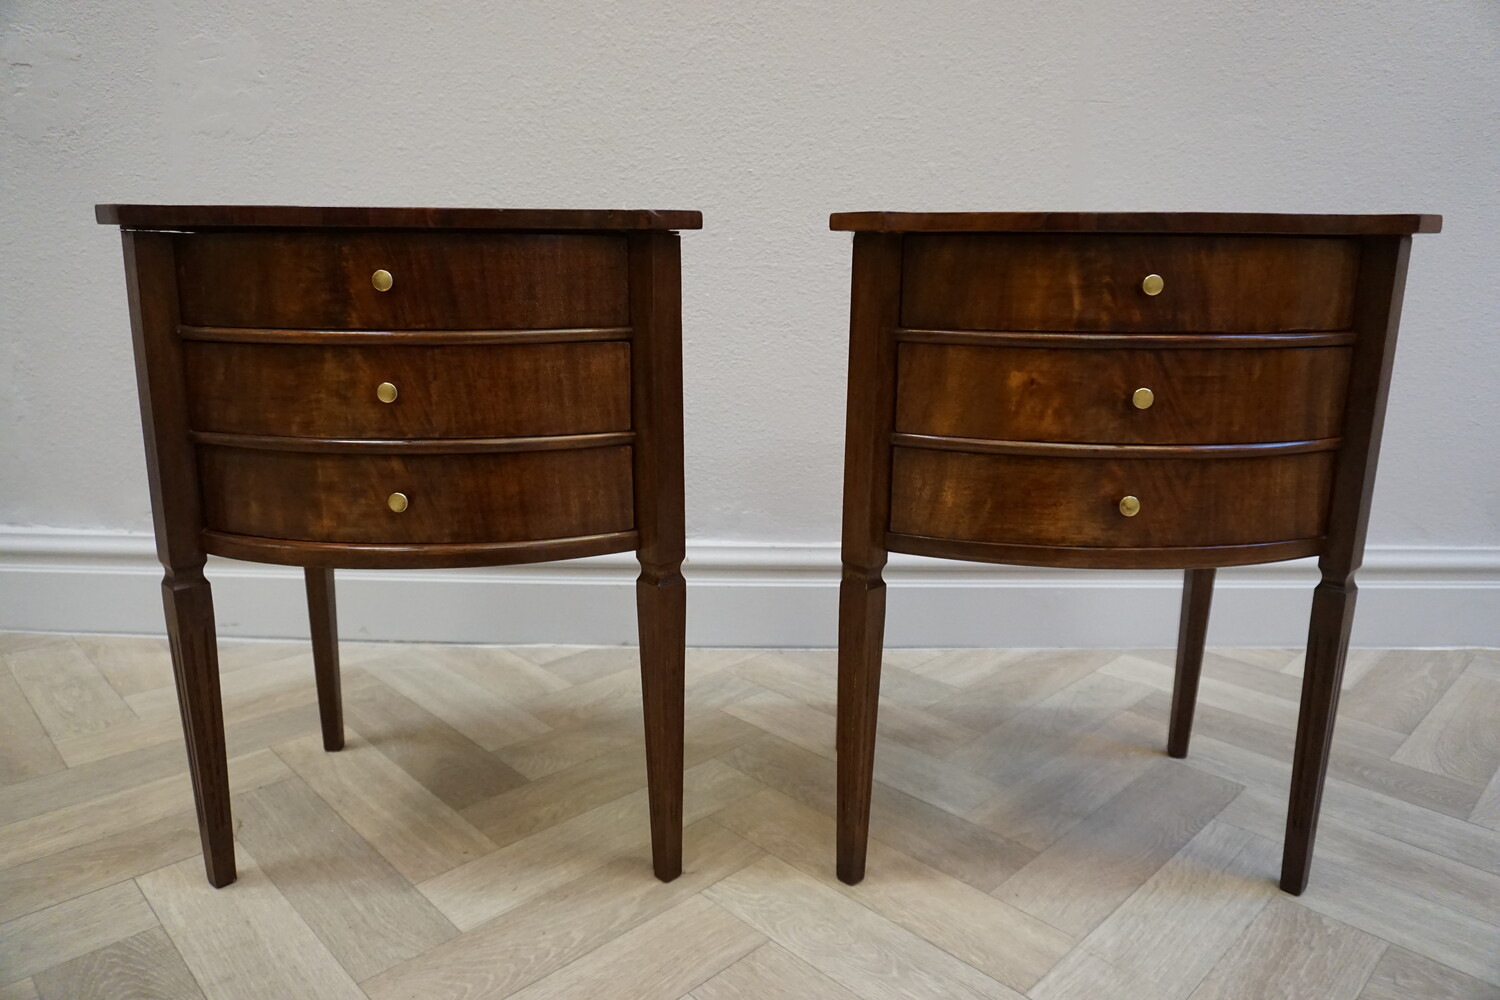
(1192, 632)
(661, 593)
(661, 604)
(1377, 311)
(322, 616)
(874, 307)
(861, 635)
(195, 664)
(1327, 647)
(171, 475)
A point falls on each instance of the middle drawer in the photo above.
(454, 391)
(1088, 396)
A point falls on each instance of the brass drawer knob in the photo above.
(383, 281)
(1152, 284)
(396, 502)
(1129, 506)
(1141, 399)
(386, 393)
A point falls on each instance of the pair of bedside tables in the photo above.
(408, 388)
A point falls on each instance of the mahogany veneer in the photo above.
(441, 280)
(1006, 281)
(1021, 391)
(1083, 396)
(452, 391)
(407, 388)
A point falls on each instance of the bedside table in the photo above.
(408, 388)
(1124, 390)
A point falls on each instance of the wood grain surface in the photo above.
(1199, 397)
(441, 280)
(1213, 284)
(1094, 866)
(441, 392)
(508, 497)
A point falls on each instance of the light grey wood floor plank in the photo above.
(131, 664)
(97, 864)
(1017, 685)
(44, 938)
(1402, 686)
(1420, 874)
(145, 966)
(66, 691)
(858, 949)
(244, 941)
(445, 761)
(1028, 833)
(473, 709)
(1014, 749)
(661, 959)
(1353, 896)
(770, 972)
(1045, 805)
(937, 838)
(21, 989)
(366, 914)
(411, 828)
(25, 749)
(1460, 736)
(1405, 975)
(1161, 942)
(489, 886)
(553, 929)
(955, 917)
(1452, 838)
(61, 829)
(1438, 792)
(1080, 880)
(1289, 951)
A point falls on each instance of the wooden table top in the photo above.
(1247, 223)
(302, 216)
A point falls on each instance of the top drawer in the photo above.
(1210, 284)
(439, 280)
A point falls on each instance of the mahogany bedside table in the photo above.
(408, 388)
(1122, 390)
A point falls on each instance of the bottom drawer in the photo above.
(451, 499)
(1027, 500)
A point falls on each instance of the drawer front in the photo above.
(439, 281)
(1027, 500)
(440, 392)
(1210, 284)
(454, 499)
(1203, 396)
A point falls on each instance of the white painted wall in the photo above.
(766, 116)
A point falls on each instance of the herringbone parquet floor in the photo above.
(484, 832)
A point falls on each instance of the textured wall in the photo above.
(766, 116)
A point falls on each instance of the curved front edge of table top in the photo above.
(1090, 557)
(330, 555)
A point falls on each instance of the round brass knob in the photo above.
(1129, 506)
(383, 281)
(396, 502)
(1141, 399)
(1151, 284)
(386, 393)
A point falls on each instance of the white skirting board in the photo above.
(744, 594)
